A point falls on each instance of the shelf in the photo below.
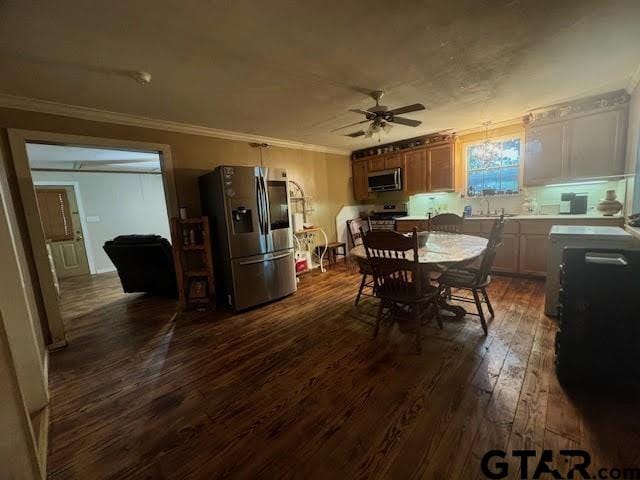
(201, 300)
(190, 221)
(193, 247)
(196, 273)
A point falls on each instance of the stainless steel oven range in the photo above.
(383, 216)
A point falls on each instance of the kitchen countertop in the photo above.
(525, 217)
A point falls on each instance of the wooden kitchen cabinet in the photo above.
(440, 160)
(585, 146)
(415, 171)
(393, 161)
(533, 254)
(388, 162)
(405, 226)
(375, 164)
(546, 153)
(360, 184)
(598, 144)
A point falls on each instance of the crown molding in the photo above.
(97, 115)
(634, 80)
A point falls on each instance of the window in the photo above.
(497, 172)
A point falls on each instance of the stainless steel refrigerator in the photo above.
(248, 209)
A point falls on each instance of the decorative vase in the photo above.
(609, 205)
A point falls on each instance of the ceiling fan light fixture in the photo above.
(387, 127)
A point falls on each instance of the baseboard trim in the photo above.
(104, 270)
(40, 425)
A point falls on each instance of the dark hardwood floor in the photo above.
(298, 389)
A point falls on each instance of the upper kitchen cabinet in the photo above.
(441, 167)
(588, 144)
(545, 153)
(360, 183)
(429, 169)
(386, 162)
(415, 174)
(598, 144)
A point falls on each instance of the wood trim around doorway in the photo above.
(17, 140)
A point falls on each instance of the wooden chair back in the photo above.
(356, 227)
(495, 242)
(446, 222)
(394, 260)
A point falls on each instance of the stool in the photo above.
(333, 250)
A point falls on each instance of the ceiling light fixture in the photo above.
(489, 149)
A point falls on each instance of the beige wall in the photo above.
(325, 177)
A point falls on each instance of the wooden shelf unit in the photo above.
(193, 261)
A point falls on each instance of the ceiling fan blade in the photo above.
(405, 121)
(416, 107)
(363, 112)
(350, 125)
(355, 134)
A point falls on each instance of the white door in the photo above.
(63, 230)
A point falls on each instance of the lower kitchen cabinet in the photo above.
(406, 226)
(533, 254)
(506, 260)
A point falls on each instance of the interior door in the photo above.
(63, 230)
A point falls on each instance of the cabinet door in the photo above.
(376, 164)
(392, 161)
(360, 185)
(441, 168)
(415, 172)
(546, 153)
(405, 226)
(533, 254)
(598, 144)
(506, 260)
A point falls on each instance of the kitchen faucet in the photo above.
(488, 206)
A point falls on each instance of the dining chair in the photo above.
(475, 280)
(358, 227)
(446, 222)
(399, 282)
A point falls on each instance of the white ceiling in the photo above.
(291, 69)
(78, 158)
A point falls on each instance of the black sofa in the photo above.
(144, 263)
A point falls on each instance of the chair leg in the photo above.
(416, 313)
(486, 299)
(438, 314)
(476, 297)
(378, 319)
(448, 293)
(362, 282)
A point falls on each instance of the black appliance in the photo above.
(383, 216)
(573, 203)
(598, 340)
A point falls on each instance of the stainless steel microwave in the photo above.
(385, 181)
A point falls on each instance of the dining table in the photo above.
(440, 251)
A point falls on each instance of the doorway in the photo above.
(70, 257)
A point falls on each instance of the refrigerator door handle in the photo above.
(278, 257)
(265, 204)
(260, 201)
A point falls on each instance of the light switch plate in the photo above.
(93, 219)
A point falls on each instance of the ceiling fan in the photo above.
(382, 118)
